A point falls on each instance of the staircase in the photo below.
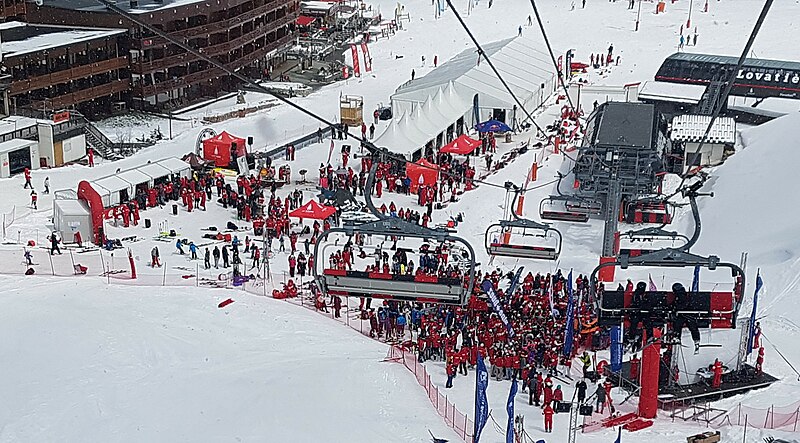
(711, 97)
(101, 144)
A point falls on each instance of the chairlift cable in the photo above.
(482, 54)
(553, 57)
(111, 5)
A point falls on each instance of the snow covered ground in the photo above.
(86, 361)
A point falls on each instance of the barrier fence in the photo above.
(776, 418)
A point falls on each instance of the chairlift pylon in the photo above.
(498, 238)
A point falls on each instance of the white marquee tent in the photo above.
(525, 67)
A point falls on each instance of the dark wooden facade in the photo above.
(12, 10)
(241, 34)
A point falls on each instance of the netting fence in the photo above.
(783, 418)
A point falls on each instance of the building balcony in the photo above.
(66, 75)
(221, 48)
(210, 73)
(84, 95)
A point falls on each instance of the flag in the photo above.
(488, 288)
(481, 403)
(367, 58)
(752, 334)
(330, 153)
(510, 409)
(651, 286)
(616, 348)
(356, 67)
(569, 328)
(619, 435)
(696, 279)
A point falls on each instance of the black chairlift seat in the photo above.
(523, 251)
(564, 216)
(551, 209)
(584, 206)
(709, 308)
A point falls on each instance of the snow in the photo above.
(50, 40)
(15, 144)
(97, 362)
(655, 90)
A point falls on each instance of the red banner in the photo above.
(356, 67)
(367, 58)
(560, 58)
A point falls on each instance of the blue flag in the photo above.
(488, 288)
(752, 334)
(616, 348)
(510, 409)
(619, 435)
(481, 403)
(570, 325)
(696, 279)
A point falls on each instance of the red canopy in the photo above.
(218, 148)
(304, 20)
(422, 172)
(313, 210)
(462, 145)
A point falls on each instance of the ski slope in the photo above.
(84, 361)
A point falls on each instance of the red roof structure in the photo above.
(462, 145)
(218, 148)
(304, 20)
(422, 172)
(313, 210)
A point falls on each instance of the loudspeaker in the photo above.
(147, 223)
(172, 233)
(586, 410)
(174, 209)
(562, 406)
(250, 140)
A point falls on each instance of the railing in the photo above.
(87, 94)
(784, 418)
(63, 76)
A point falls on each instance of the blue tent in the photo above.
(492, 126)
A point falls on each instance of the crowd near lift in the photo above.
(504, 238)
(419, 287)
(653, 210)
(647, 240)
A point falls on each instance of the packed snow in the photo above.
(87, 359)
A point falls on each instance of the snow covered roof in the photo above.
(21, 38)
(154, 170)
(15, 144)
(142, 6)
(691, 128)
(112, 184)
(520, 61)
(174, 164)
(134, 176)
(15, 123)
(673, 92)
(71, 207)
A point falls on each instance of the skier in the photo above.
(413, 74)
(207, 259)
(337, 306)
(760, 360)
(451, 372)
(34, 199)
(46, 185)
(757, 336)
(154, 257)
(694, 38)
(193, 250)
(519, 33)
(548, 418)
(371, 130)
(682, 304)
(292, 265)
(435, 61)
(225, 262)
(28, 257)
(90, 157)
(215, 253)
(179, 245)
(681, 42)
(28, 184)
(600, 392)
(581, 388)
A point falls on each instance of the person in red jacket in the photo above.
(548, 395)
(451, 372)
(548, 418)
(717, 368)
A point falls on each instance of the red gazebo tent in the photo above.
(462, 145)
(218, 148)
(424, 170)
(313, 210)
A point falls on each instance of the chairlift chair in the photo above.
(555, 208)
(639, 240)
(647, 210)
(497, 245)
(715, 309)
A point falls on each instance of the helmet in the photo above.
(641, 286)
(678, 288)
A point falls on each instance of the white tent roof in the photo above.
(519, 60)
(112, 183)
(411, 129)
(134, 176)
(440, 117)
(675, 92)
(395, 139)
(691, 128)
(154, 170)
(174, 164)
(72, 207)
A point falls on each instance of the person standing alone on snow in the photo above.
(520, 31)
(34, 199)
(154, 257)
(46, 185)
(54, 244)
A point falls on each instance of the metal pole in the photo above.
(689, 20)
(164, 278)
(52, 268)
(638, 15)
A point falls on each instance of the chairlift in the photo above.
(648, 240)
(715, 309)
(418, 287)
(504, 238)
(647, 210)
(555, 208)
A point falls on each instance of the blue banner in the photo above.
(513, 286)
(616, 349)
(619, 435)
(569, 327)
(696, 279)
(752, 334)
(481, 403)
(510, 409)
(488, 288)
